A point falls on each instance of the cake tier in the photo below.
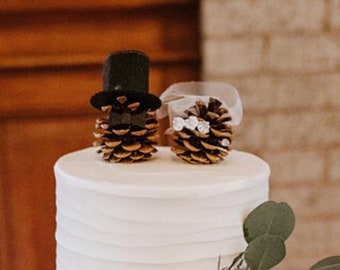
(157, 215)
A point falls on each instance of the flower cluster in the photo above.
(191, 123)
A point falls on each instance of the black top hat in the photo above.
(126, 73)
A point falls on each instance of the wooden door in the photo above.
(51, 55)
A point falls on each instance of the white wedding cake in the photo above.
(162, 214)
(141, 207)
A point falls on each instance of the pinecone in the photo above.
(124, 140)
(203, 136)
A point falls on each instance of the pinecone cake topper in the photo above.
(201, 117)
(128, 131)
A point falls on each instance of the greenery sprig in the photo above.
(329, 263)
(265, 230)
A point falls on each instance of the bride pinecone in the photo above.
(125, 142)
(204, 148)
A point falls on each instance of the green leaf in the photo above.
(329, 263)
(265, 252)
(269, 218)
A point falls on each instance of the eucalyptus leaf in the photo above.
(269, 218)
(265, 252)
(329, 263)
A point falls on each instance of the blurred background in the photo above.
(282, 55)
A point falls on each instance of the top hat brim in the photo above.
(147, 101)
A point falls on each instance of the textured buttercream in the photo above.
(156, 215)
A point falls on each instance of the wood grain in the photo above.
(51, 58)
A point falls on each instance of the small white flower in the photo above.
(225, 142)
(178, 123)
(191, 122)
(203, 127)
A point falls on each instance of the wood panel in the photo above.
(85, 36)
(67, 90)
(51, 58)
(35, 145)
(15, 5)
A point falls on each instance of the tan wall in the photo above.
(284, 57)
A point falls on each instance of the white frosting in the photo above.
(160, 214)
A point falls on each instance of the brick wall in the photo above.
(284, 57)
